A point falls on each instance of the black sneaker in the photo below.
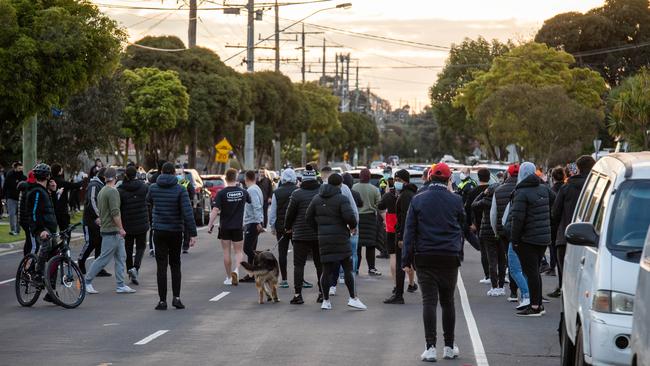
(247, 278)
(413, 288)
(320, 299)
(530, 312)
(177, 303)
(297, 300)
(394, 290)
(374, 272)
(162, 305)
(395, 299)
(555, 294)
(103, 273)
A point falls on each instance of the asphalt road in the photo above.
(235, 330)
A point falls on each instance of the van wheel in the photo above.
(568, 350)
(580, 349)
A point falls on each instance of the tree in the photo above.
(457, 132)
(629, 106)
(360, 130)
(213, 88)
(617, 23)
(536, 65)
(49, 51)
(321, 118)
(547, 125)
(92, 120)
(157, 103)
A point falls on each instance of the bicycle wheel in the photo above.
(65, 282)
(27, 291)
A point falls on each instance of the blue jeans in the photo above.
(516, 273)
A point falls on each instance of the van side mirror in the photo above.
(582, 234)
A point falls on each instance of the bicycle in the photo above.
(62, 279)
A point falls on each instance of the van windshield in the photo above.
(630, 216)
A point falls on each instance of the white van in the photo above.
(609, 227)
(641, 325)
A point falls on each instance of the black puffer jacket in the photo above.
(42, 215)
(402, 208)
(481, 208)
(330, 214)
(503, 194)
(565, 204)
(61, 204)
(282, 197)
(23, 212)
(133, 206)
(172, 210)
(530, 212)
(298, 204)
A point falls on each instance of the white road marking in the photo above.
(11, 252)
(220, 296)
(150, 338)
(7, 281)
(111, 324)
(477, 344)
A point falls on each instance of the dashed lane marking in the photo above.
(220, 296)
(7, 281)
(151, 337)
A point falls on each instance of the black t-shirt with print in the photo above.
(231, 201)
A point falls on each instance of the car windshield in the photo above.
(215, 182)
(630, 216)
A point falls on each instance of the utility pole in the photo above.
(336, 74)
(303, 48)
(250, 37)
(277, 37)
(356, 90)
(191, 42)
(324, 59)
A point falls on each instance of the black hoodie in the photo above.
(133, 206)
(330, 214)
(565, 204)
(402, 207)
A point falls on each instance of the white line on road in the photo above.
(477, 344)
(11, 252)
(7, 281)
(220, 296)
(111, 324)
(150, 338)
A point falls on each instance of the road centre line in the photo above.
(477, 344)
(7, 281)
(220, 296)
(151, 337)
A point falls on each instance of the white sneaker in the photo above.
(326, 305)
(124, 290)
(493, 292)
(451, 353)
(228, 281)
(429, 355)
(90, 289)
(507, 279)
(524, 303)
(485, 281)
(357, 304)
(342, 280)
(333, 291)
(501, 291)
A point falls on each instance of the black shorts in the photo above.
(391, 242)
(231, 234)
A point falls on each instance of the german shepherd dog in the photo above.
(265, 269)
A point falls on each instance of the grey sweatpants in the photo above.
(112, 247)
(12, 208)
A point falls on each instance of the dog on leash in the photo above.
(265, 269)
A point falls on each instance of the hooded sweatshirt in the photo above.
(530, 211)
(280, 199)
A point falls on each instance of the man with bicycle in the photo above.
(42, 219)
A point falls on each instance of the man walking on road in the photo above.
(368, 224)
(172, 216)
(266, 186)
(112, 231)
(91, 223)
(253, 219)
(135, 218)
(305, 239)
(433, 241)
(279, 204)
(229, 204)
(10, 190)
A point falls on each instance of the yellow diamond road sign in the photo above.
(223, 150)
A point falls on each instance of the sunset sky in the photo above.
(427, 21)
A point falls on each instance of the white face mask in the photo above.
(399, 186)
(463, 176)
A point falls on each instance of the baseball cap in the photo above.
(110, 174)
(441, 170)
(513, 170)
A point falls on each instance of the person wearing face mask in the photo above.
(466, 185)
(383, 182)
(387, 203)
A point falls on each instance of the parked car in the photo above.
(202, 198)
(377, 164)
(640, 326)
(214, 183)
(601, 265)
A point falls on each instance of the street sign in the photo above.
(223, 151)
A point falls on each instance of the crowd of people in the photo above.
(324, 216)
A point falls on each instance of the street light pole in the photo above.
(250, 39)
(277, 37)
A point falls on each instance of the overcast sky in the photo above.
(439, 22)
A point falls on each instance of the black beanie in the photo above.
(404, 175)
(335, 179)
